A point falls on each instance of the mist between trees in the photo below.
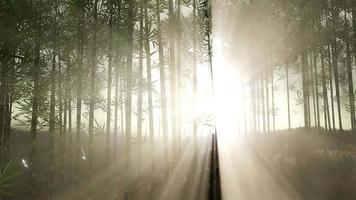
(295, 59)
(123, 69)
(89, 80)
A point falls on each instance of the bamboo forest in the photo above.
(177, 99)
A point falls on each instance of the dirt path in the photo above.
(245, 176)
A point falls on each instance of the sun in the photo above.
(230, 107)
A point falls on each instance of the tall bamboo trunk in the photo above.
(70, 119)
(331, 91)
(35, 78)
(92, 96)
(172, 71)
(179, 71)
(69, 109)
(149, 87)
(288, 97)
(336, 70)
(312, 79)
(349, 73)
(259, 104)
(80, 49)
(108, 97)
(195, 86)
(68, 99)
(273, 103)
(116, 114)
(69, 102)
(8, 114)
(35, 102)
(337, 83)
(140, 75)
(52, 120)
(267, 103)
(122, 107)
(162, 75)
(128, 107)
(325, 92)
(5, 104)
(305, 90)
(66, 117)
(353, 10)
(2, 111)
(60, 110)
(263, 103)
(64, 111)
(117, 88)
(307, 87)
(316, 87)
(149, 73)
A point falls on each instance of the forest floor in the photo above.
(153, 171)
(296, 164)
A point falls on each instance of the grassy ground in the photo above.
(317, 163)
(154, 171)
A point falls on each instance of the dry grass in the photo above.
(319, 164)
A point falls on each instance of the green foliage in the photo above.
(7, 174)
